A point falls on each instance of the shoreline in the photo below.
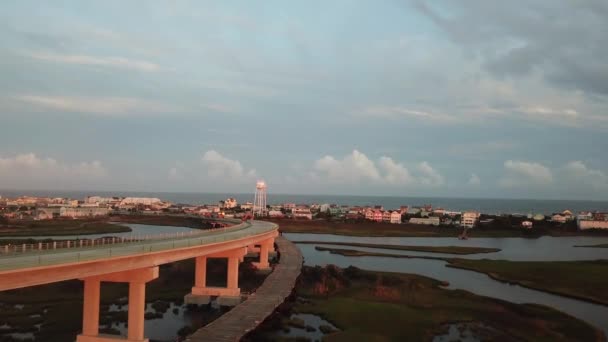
(452, 262)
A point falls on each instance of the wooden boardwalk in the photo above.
(234, 324)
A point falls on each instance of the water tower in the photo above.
(259, 201)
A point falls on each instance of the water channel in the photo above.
(541, 249)
(516, 249)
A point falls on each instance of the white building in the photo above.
(592, 224)
(230, 203)
(275, 213)
(469, 218)
(140, 200)
(527, 224)
(302, 213)
(82, 212)
(431, 221)
(247, 206)
(395, 217)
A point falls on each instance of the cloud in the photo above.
(576, 172)
(357, 167)
(100, 105)
(29, 171)
(353, 168)
(115, 62)
(397, 113)
(220, 167)
(520, 173)
(514, 42)
(474, 180)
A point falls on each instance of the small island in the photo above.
(461, 250)
(370, 306)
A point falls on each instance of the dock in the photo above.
(243, 318)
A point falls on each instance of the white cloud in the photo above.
(395, 173)
(352, 168)
(95, 105)
(576, 172)
(357, 167)
(520, 173)
(428, 175)
(107, 61)
(474, 180)
(396, 113)
(220, 167)
(29, 170)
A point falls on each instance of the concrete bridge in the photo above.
(135, 261)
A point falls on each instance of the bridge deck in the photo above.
(234, 324)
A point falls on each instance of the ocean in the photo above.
(484, 205)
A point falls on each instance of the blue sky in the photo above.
(423, 98)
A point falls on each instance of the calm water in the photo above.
(477, 283)
(545, 248)
(483, 205)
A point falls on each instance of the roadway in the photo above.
(80, 262)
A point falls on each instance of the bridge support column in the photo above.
(229, 295)
(137, 280)
(200, 282)
(265, 248)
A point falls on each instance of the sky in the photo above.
(469, 98)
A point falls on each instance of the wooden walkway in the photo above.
(234, 324)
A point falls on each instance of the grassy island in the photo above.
(368, 228)
(589, 282)
(585, 280)
(59, 227)
(603, 245)
(430, 249)
(381, 306)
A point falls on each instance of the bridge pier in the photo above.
(265, 248)
(231, 294)
(137, 280)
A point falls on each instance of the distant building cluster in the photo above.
(44, 208)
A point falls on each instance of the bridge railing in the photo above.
(38, 247)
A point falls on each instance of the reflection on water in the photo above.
(471, 281)
(165, 328)
(546, 248)
(312, 329)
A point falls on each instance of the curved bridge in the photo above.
(136, 262)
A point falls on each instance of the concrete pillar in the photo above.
(265, 248)
(229, 295)
(137, 280)
(200, 279)
(137, 308)
(90, 310)
(233, 273)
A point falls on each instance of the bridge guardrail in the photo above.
(9, 249)
(151, 244)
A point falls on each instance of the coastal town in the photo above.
(28, 208)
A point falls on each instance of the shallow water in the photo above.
(309, 320)
(546, 248)
(477, 283)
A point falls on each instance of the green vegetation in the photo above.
(500, 227)
(358, 253)
(586, 280)
(380, 306)
(589, 282)
(431, 249)
(603, 245)
(60, 227)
